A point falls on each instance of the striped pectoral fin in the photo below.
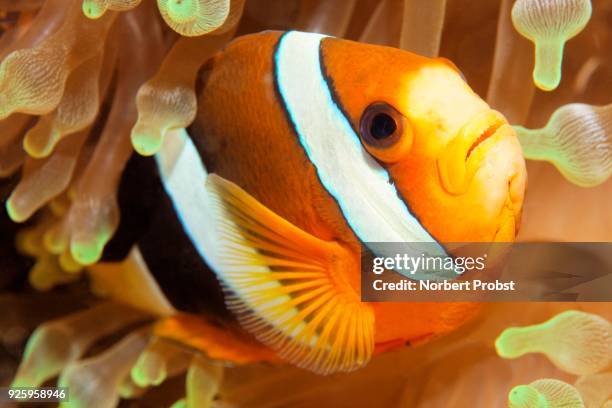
(287, 287)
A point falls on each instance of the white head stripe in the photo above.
(362, 188)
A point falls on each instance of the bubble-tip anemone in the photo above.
(577, 139)
(545, 393)
(576, 342)
(97, 8)
(194, 17)
(549, 24)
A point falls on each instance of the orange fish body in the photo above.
(311, 148)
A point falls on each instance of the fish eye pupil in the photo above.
(383, 126)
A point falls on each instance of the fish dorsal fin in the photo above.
(286, 287)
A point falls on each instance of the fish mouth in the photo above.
(464, 154)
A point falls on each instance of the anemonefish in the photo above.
(245, 231)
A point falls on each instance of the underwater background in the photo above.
(43, 183)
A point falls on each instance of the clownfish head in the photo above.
(455, 163)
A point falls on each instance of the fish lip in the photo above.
(458, 164)
(483, 135)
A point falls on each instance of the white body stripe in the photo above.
(183, 176)
(361, 187)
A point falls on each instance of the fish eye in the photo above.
(380, 125)
(383, 131)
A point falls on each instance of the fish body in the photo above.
(305, 149)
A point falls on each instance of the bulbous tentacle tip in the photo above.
(159, 361)
(94, 9)
(180, 404)
(508, 343)
(193, 18)
(146, 139)
(548, 61)
(525, 396)
(546, 84)
(202, 382)
(38, 144)
(94, 222)
(183, 11)
(500, 346)
(87, 252)
(14, 211)
(149, 370)
(545, 393)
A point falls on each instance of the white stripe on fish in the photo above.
(362, 188)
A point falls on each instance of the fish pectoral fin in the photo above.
(287, 287)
